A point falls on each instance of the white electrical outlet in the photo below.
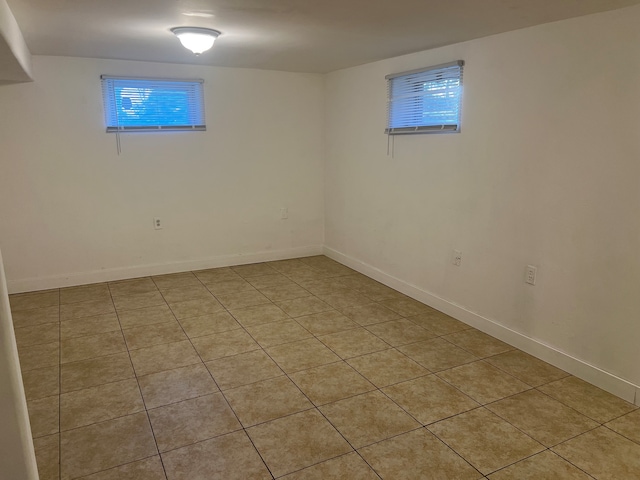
(284, 213)
(530, 274)
(457, 257)
(157, 223)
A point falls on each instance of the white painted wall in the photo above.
(545, 172)
(15, 57)
(73, 211)
(17, 459)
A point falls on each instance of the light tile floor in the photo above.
(297, 369)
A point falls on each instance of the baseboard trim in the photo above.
(121, 273)
(581, 369)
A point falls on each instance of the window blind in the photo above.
(426, 100)
(148, 104)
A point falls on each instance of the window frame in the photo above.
(195, 106)
(435, 70)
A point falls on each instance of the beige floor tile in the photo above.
(260, 314)
(587, 399)
(269, 280)
(146, 316)
(91, 346)
(209, 324)
(37, 334)
(132, 287)
(237, 285)
(41, 382)
(299, 307)
(28, 301)
(44, 416)
(345, 300)
(297, 441)
(429, 399)
(351, 343)
(95, 371)
(35, 316)
(183, 294)
(307, 273)
(241, 299)
(190, 421)
(224, 344)
(86, 309)
(39, 356)
(524, 367)
(266, 400)
(100, 403)
(370, 313)
(400, 332)
(48, 456)
(349, 466)
(407, 307)
(176, 280)
(163, 357)
(287, 266)
(483, 382)
(376, 291)
(172, 386)
(296, 356)
(627, 425)
(138, 300)
(543, 418)
(243, 369)
(80, 327)
(147, 469)
(229, 457)
(213, 275)
(277, 333)
(603, 454)
(105, 445)
(439, 323)
(437, 354)
(543, 466)
(387, 367)
(145, 336)
(326, 322)
(417, 454)
(196, 307)
(85, 293)
(280, 293)
(485, 440)
(368, 418)
(253, 270)
(479, 344)
(326, 286)
(330, 383)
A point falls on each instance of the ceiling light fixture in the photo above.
(196, 39)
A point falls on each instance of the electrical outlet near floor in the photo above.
(284, 213)
(157, 223)
(457, 258)
(530, 274)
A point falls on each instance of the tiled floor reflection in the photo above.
(297, 369)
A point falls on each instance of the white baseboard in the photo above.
(121, 273)
(581, 369)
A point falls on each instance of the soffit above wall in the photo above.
(290, 35)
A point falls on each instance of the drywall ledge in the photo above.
(15, 58)
(112, 274)
(590, 373)
(17, 458)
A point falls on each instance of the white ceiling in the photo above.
(293, 35)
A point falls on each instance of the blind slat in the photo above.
(425, 100)
(134, 104)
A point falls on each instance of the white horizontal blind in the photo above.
(149, 104)
(426, 100)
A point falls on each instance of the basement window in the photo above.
(152, 104)
(427, 100)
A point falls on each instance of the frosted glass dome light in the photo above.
(196, 39)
